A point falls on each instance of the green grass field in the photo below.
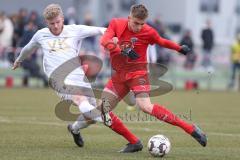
(29, 128)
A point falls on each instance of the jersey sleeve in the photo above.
(156, 39)
(107, 39)
(88, 31)
(27, 50)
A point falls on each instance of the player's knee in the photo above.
(146, 109)
(145, 106)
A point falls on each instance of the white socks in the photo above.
(89, 112)
(80, 123)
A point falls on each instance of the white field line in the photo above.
(6, 120)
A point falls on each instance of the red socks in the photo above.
(160, 113)
(165, 115)
(121, 129)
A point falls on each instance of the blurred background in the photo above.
(210, 28)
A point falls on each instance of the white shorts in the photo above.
(77, 85)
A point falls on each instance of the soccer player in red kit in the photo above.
(127, 41)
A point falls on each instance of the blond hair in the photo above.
(139, 11)
(52, 11)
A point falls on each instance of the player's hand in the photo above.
(184, 50)
(16, 65)
(130, 53)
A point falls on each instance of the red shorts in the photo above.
(121, 84)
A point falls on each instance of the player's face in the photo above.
(55, 25)
(135, 24)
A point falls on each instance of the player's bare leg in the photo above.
(163, 114)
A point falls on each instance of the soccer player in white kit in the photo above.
(60, 44)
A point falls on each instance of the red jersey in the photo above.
(118, 27)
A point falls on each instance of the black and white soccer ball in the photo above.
(159, 145)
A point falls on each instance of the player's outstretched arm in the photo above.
(184, 49)
(25, 52)
(88, 31)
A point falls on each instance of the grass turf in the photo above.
(29, 128)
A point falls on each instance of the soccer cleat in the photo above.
(199, 136)
(105, 109)
(130, 148)
(76, 137)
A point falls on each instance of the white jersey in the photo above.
(59, 49)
